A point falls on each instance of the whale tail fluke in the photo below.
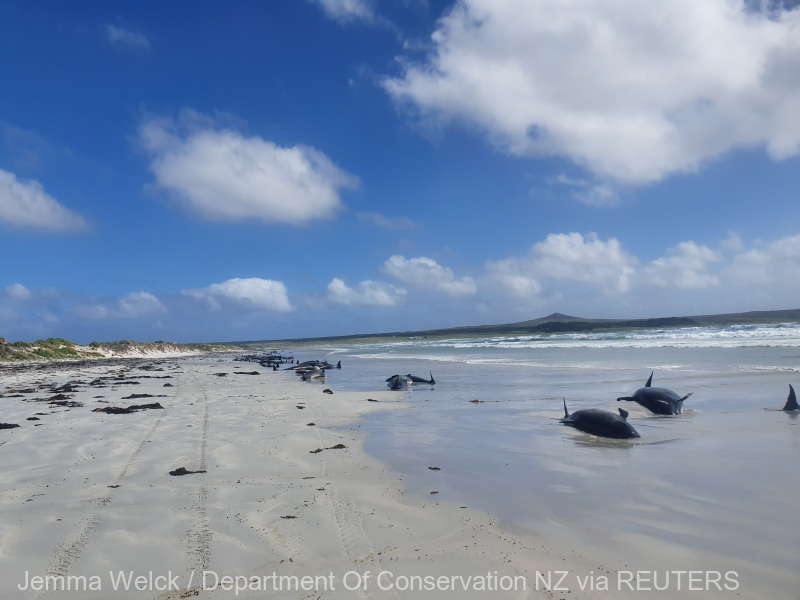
(649, 380)
(623, 413)
(791, 401)
(433, 381)
(566, 412)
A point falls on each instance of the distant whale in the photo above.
(791, 401)
(397, 382)
(415, 379)
(600, 422)
(660, 401)
(401, 382)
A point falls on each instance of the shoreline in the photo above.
(94, 491)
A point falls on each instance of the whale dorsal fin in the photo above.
(623, 413)
(649, 380)
(791, 401)
(566, 412)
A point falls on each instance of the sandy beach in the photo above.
(87, 495)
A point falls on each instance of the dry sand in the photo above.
(88, 493)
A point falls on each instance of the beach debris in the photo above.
(118, 410)
(221, 374)
(8, 425)
(113, 486)
(434, 468)
(135, 396)
(300, 407)
(33, 419)
(184, 471)
(168, 385)
(434, 492)
(336, 447)
(247, 373)
(310, 424)
(288, 517)
(67, 403)
(327, 391)
(58, 398)
(372, 400)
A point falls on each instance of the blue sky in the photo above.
(261, 170)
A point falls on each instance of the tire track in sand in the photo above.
(70, 550)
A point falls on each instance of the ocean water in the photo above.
(716, 488)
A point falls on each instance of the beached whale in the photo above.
(397, 382)
(401, 382)
(600, 422)
(415, 379)
(660, 401)
(791, 401)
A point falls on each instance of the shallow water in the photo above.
(716, 488)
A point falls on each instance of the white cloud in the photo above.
(774, 265)
(379, 220)
(366, 293)
(26, 204)
(252, 292)
(426, 273)
(685, 267)
(17, 291)
(584, 259)
(140, 304)
(634, 92)
(589, 192)
(124, 37)
(346, 11)
(131, 306)
(223, 175)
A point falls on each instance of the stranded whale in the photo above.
(600, 422)
(660, 401)
(791, 401)
(401, 382)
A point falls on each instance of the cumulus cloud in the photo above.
(345, 11)
(17, 291)
(685, 266)
(132, 306)
(774, 264)
(250, 292)
(426, 273)
(25, 204)
(223, 175)
(633, 92)
(120, 36)
(378, 220)
(366, 293)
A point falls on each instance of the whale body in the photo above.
(661, 401)
(601, 423)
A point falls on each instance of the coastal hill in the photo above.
(561, 323)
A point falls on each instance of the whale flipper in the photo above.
(623, 413)
(649, 380)
(686, 396)
(791, 401)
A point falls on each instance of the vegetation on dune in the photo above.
(60, 349)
